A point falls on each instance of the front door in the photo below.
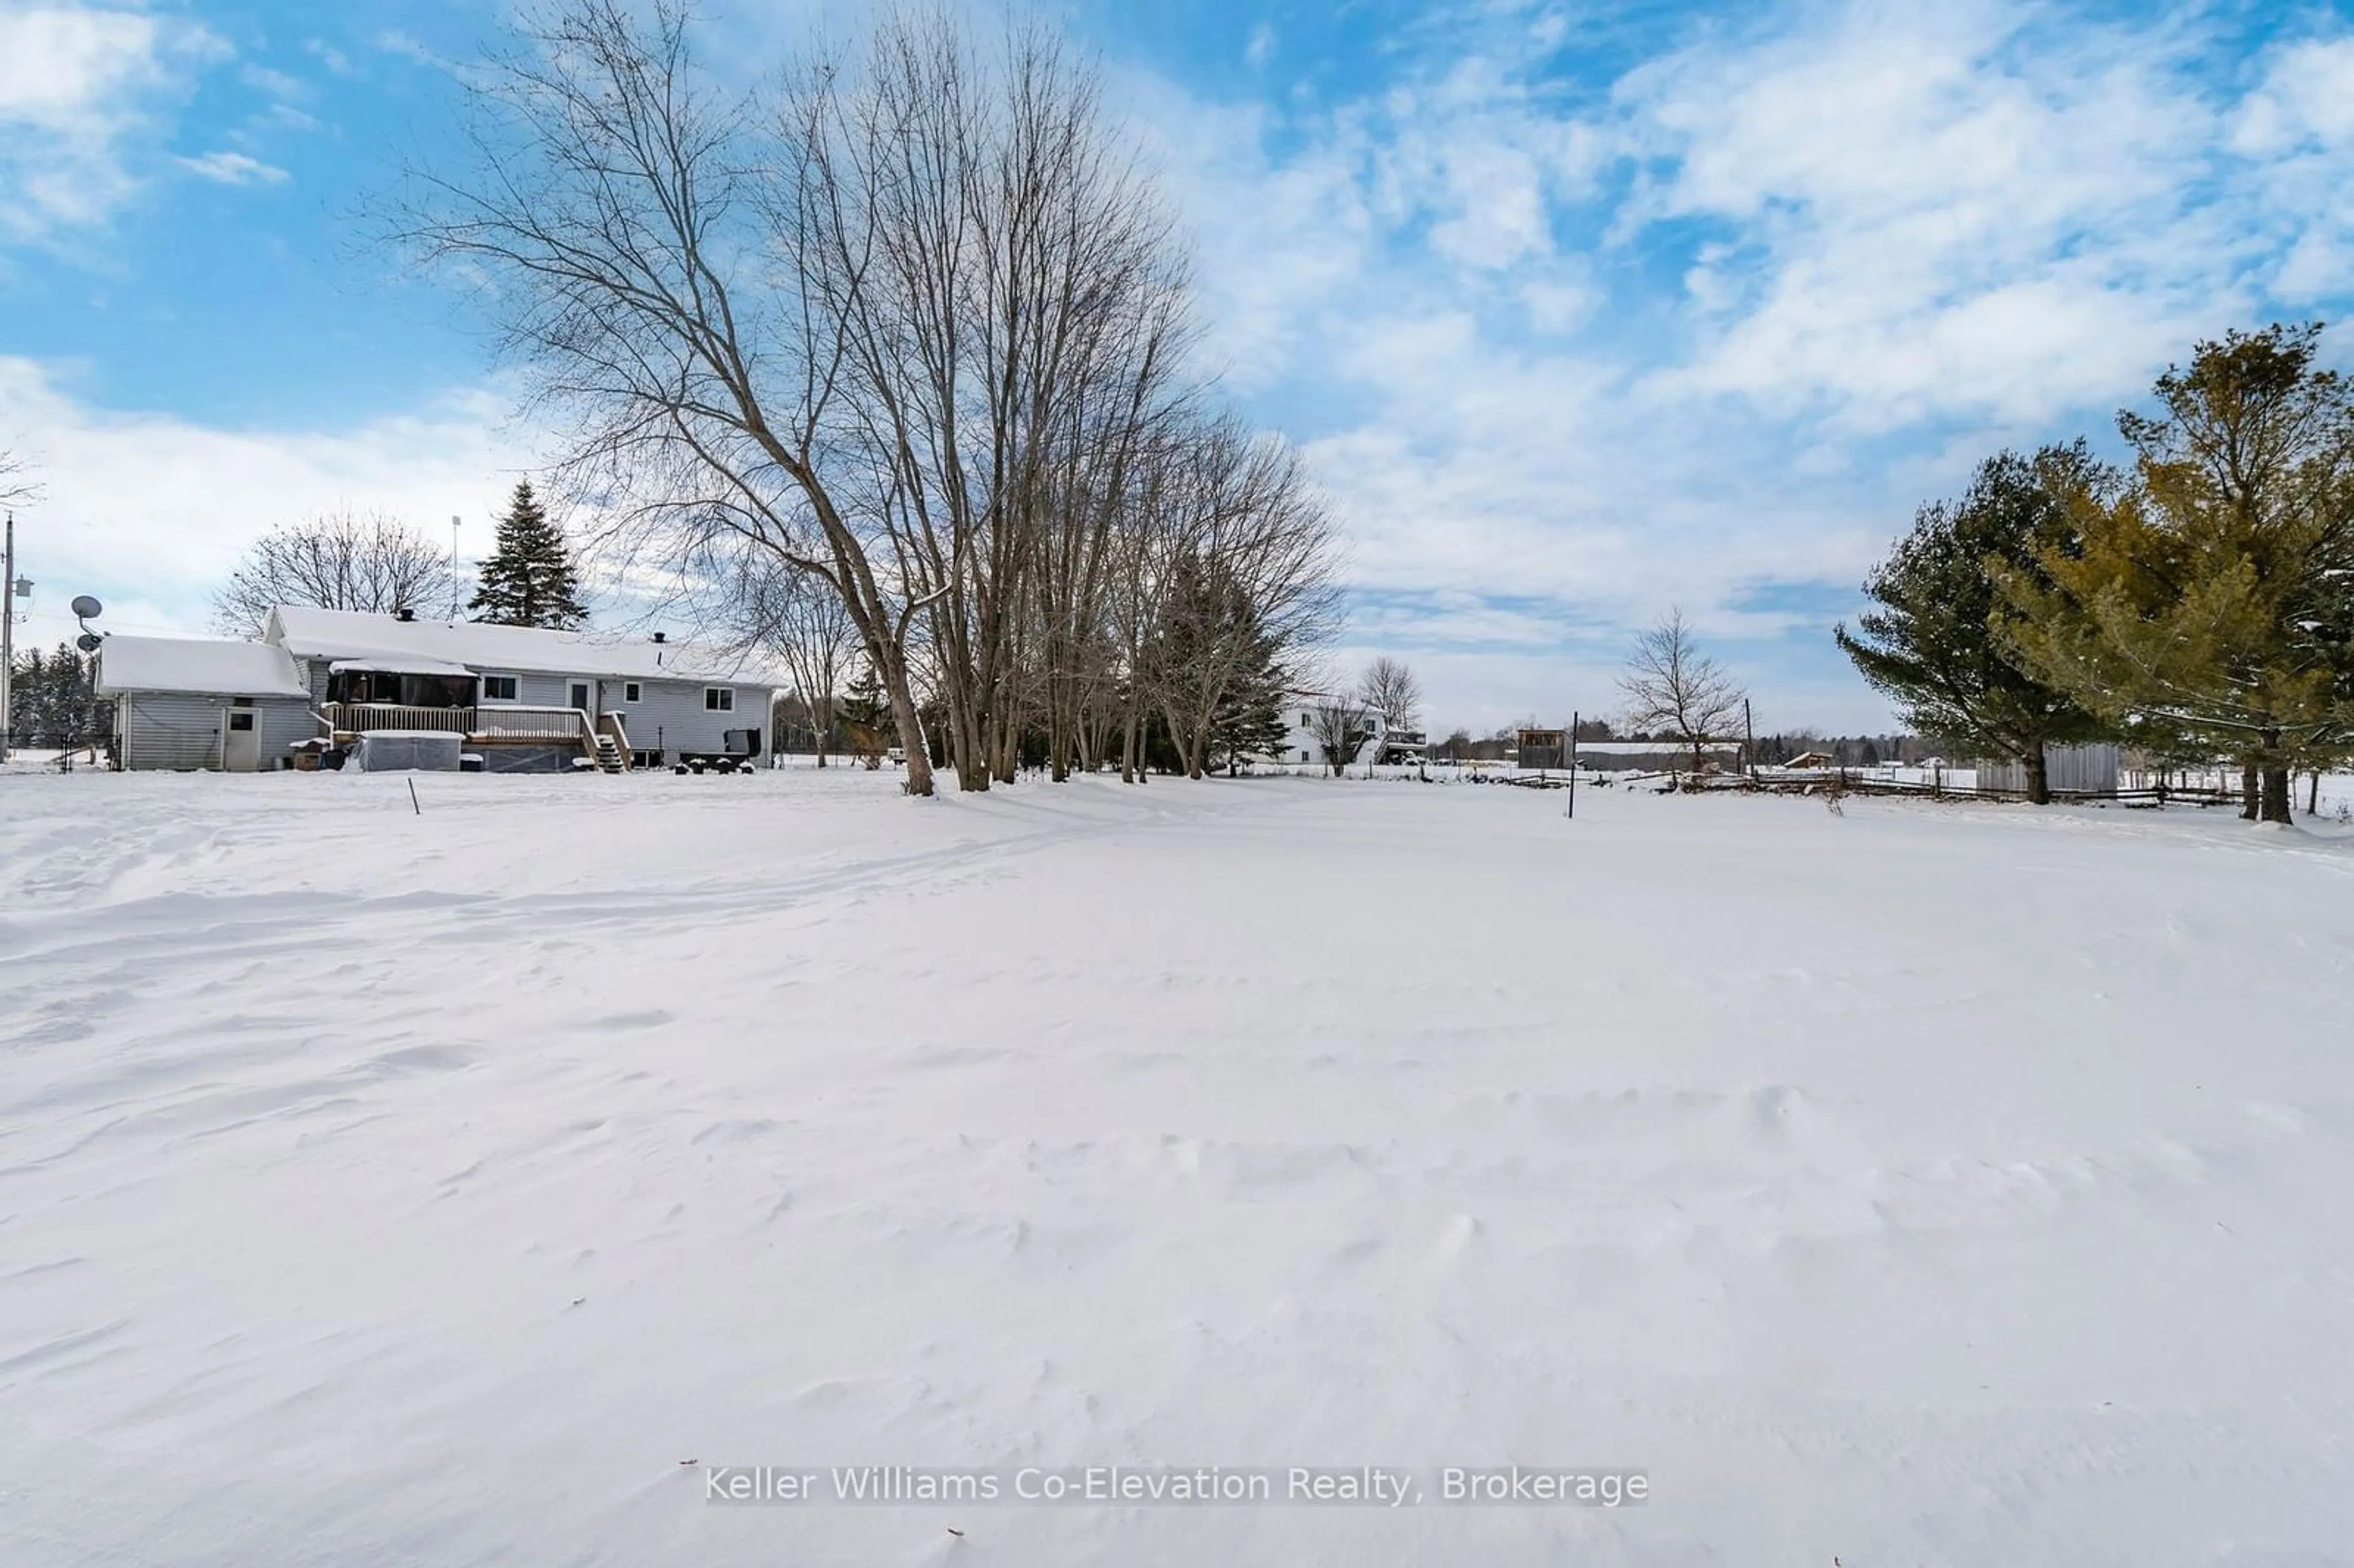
(240, 740)
(583, 698)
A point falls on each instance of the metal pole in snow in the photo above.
(1571, 812)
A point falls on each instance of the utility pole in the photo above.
(7, 637)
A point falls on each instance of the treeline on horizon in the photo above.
(2196, 605)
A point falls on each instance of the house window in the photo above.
(719, 699)
(628, 691)
(498, 688)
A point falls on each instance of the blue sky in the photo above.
(1580, 311)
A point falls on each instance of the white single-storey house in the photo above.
(523, 697)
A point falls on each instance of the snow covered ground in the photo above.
(1924, 1184)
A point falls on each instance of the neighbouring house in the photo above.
(189, 703)
(1299, 743)
(2068, 770)
(523, 698)
(1812, 759)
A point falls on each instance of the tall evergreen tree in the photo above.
(1249, 719)
(863, 712)
(51, 699)
(28, 686)
(528, 578)
(78, 714)
(2214, 600)
(1935, 643)
(1214, 640)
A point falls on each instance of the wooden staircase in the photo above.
(609, 743)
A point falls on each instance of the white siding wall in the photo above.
(172, 730)
(1299, 742)
(670, 715)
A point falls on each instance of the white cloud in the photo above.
(395, 41)
(1943, 208)
(2306, 101)
(233, 169)
(2298, 128)
(77, 82)
(276, 83)
(336, 62)
(154, 510)
(1906, 235)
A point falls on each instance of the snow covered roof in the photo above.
(354, 637)
(208, 667)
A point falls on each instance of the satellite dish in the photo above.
(88, 641)
(85, 606)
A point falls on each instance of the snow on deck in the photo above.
(1922, 1185)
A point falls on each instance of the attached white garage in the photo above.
(189, 703)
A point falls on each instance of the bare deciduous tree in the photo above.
(336, 561)
(658, 255)
(1391, 689)
(14, 484)
(908, 324)
(1670, 685)
(1340, 726)
(1244, 546)
(803, 622)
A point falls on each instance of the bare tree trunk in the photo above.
(1009, 727)
(2250, 804)
(1131, 757)
(904, 718)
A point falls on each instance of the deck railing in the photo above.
(354, 717)
(505, 724)
(511, 722)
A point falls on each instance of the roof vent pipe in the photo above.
(405, 613)
(662, 636)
